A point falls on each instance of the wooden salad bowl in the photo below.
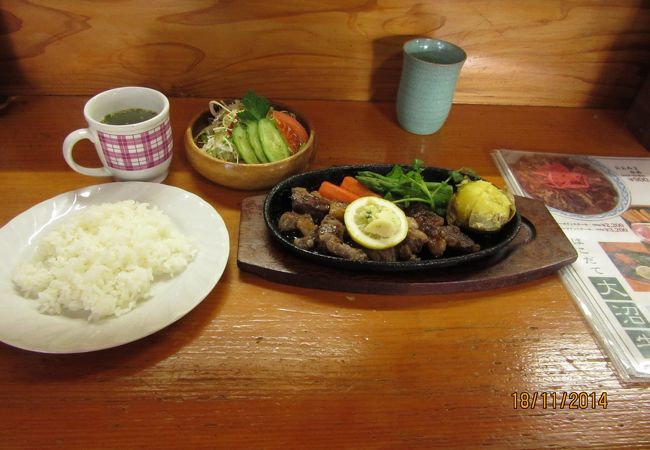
(241, 176)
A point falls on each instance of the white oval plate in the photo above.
(22, 326)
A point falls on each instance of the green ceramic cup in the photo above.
(426, 88)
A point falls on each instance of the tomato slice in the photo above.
(292, 130)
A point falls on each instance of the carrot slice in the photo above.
(355, 186)
(334, 192)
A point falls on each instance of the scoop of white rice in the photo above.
(104, 260)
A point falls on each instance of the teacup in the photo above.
(132, 135)
(429, 74)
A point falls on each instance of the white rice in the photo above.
(104, 260)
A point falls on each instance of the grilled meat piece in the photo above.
(330, 240)
(441, 236)
(292, 221)
(306, 225)
(453, 239)
(337, 209)
(436, 246)
(425, 218)
(312, 203)
(387, 255)
(339, 248)
(331, 226)
(458, 240)
(288, 221)
(428, 222)
(407, 250)
(305, 242)
(412, 245)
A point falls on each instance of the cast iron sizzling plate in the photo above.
(278, 201)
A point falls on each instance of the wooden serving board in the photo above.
(540, 248)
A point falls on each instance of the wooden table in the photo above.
(264, 365)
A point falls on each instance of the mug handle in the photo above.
(68, 144)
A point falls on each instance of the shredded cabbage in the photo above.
(216, 139)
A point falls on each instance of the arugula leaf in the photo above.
(255, 107)
(404, 188)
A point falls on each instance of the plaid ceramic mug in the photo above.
(131, 132)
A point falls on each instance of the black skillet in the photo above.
(278, 201)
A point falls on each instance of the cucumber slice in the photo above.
(252, 129)
(273, 143)
(240, 138)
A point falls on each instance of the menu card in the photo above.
(603, 206)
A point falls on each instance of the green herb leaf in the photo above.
(407, 187)
(255, 107)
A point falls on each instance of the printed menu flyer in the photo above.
(603, 206)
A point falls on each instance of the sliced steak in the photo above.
(337, 209)
(291, 221)
(458, 240)
(288, 221)
(425, 218)
(453, 238)
(305, 242)
(330, 240)
(441, 236)
(436, 246)
(312, 203)
(412, 245)
(388, 255)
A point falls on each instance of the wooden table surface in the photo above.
(264, 365)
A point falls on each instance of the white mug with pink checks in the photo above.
(135, 152)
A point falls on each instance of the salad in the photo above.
(251, 131)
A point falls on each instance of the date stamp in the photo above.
(559, 400)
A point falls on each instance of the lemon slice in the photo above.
(643, 271)
(375, 223)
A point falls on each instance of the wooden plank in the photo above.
(561, 52)
(637, 118)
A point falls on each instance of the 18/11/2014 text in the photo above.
(559, 400)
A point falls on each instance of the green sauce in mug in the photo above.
(128, 116)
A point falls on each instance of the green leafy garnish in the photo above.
(255, 107)
(404, 187)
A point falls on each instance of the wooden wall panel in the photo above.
(525, 52)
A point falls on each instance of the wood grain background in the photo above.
(527, 52)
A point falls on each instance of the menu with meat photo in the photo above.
(638, 219)
(600, 203)
(632, 261)
(577, 187)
